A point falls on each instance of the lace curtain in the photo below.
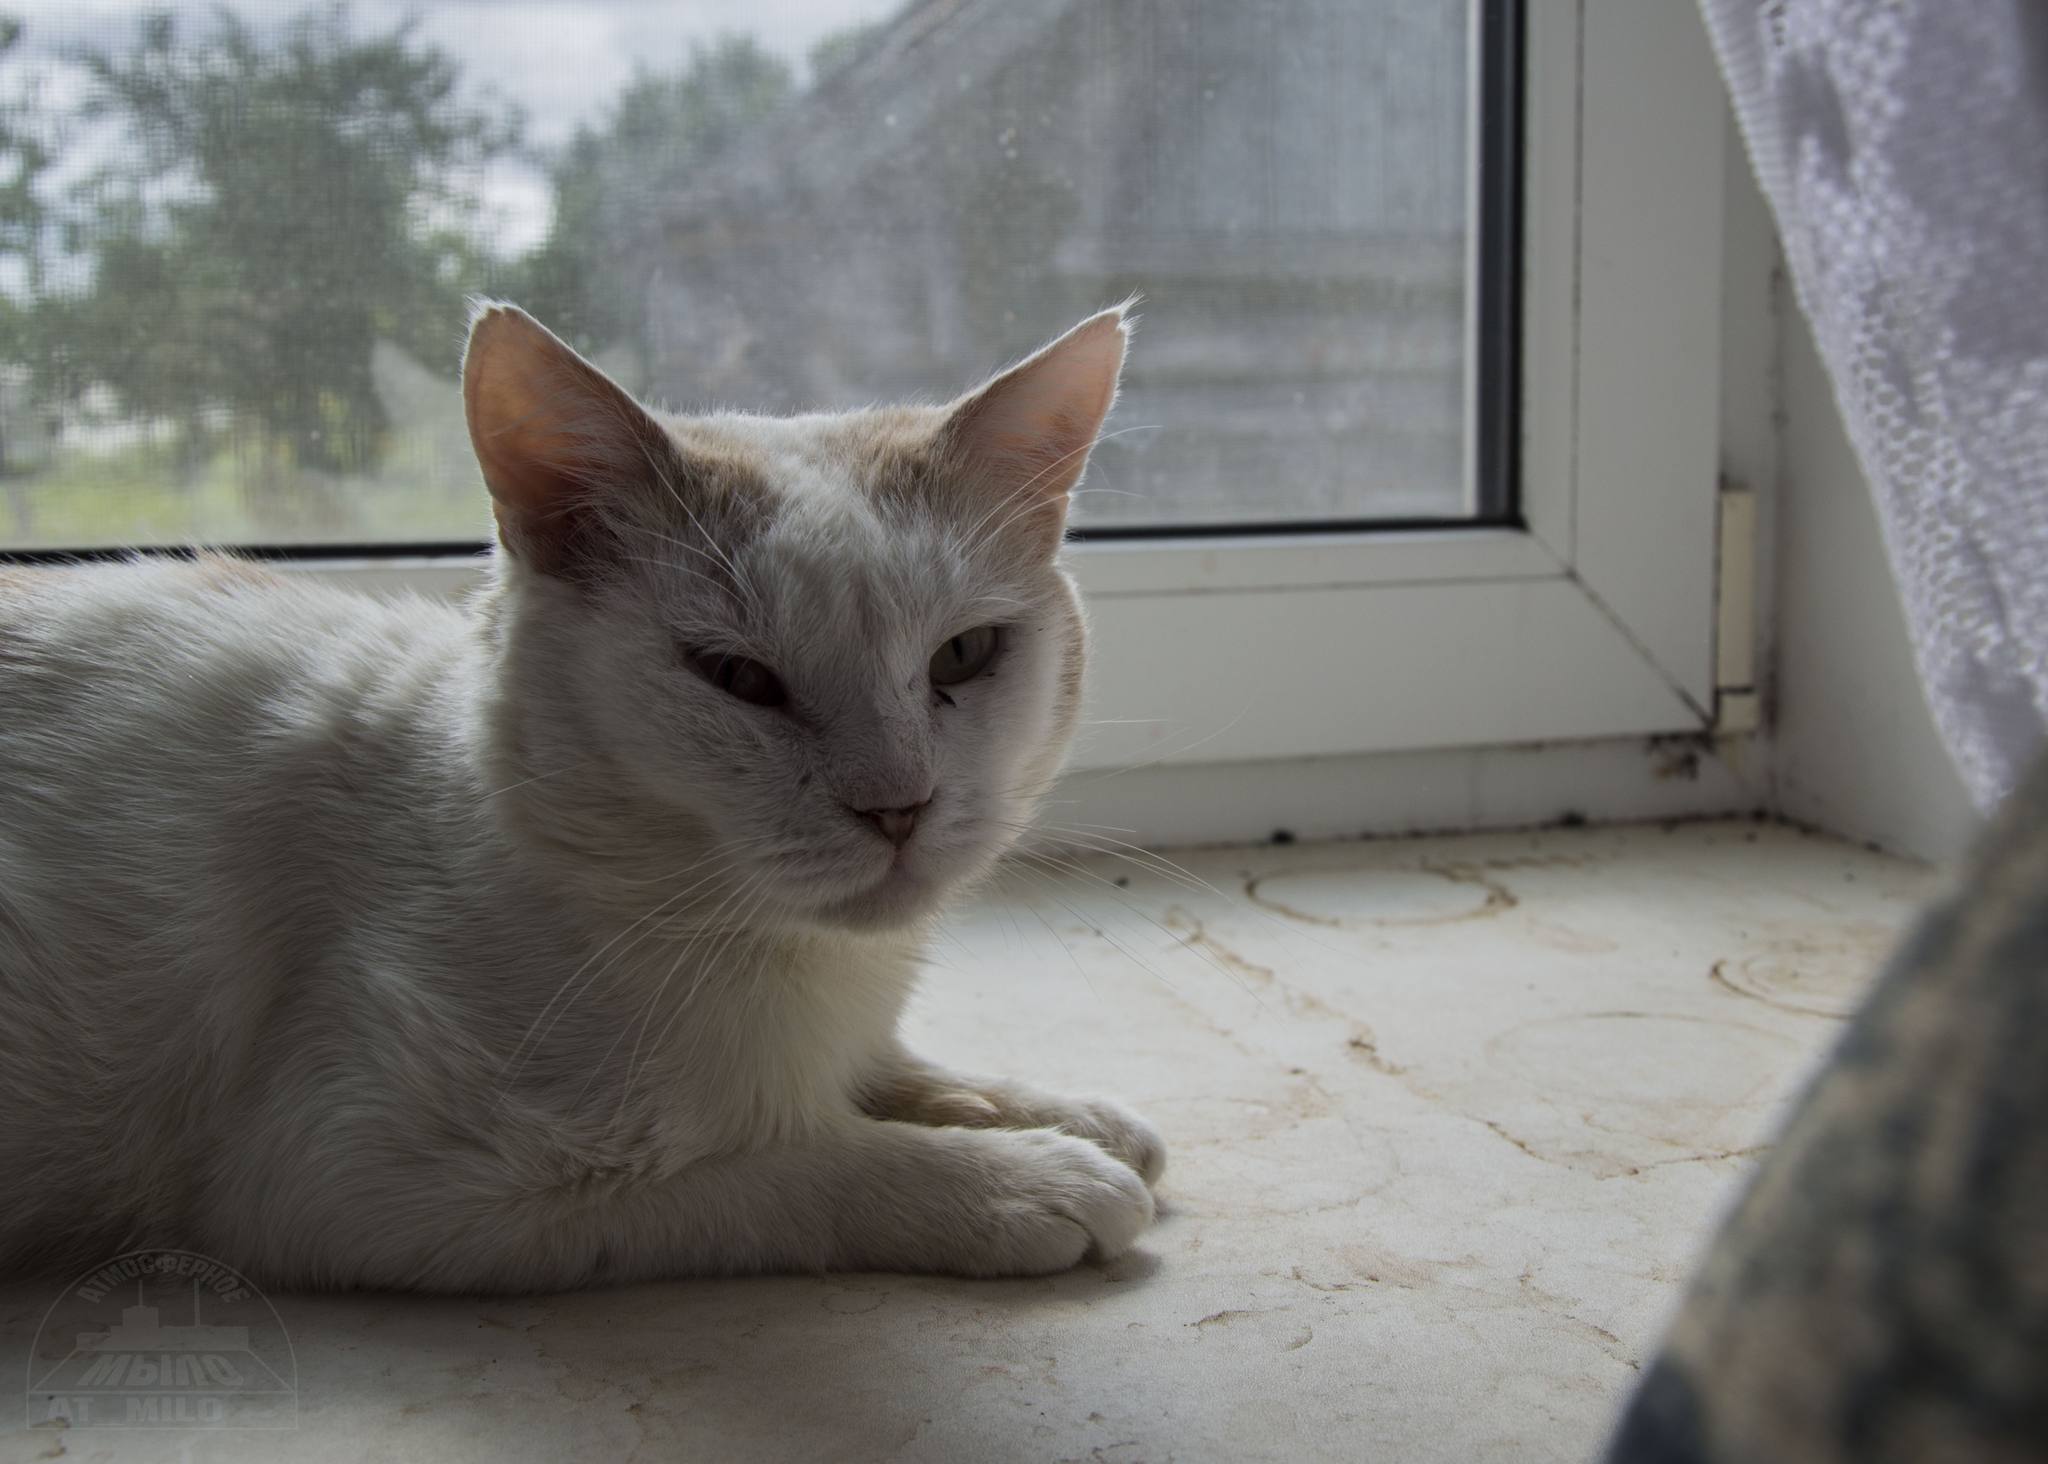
(1903, 145)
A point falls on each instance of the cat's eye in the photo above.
(750, 681)
(964, 655)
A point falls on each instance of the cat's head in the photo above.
(831, 659)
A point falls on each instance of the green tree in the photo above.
(24, 156)
(291, 197)
(609, 182)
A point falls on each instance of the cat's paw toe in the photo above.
(1071, 1202)
(1122, 1134)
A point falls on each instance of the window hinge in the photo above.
(1736, 708)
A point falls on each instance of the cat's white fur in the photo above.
(495, 947)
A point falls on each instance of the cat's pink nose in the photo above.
(896, 824)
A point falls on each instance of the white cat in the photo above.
(559, 938)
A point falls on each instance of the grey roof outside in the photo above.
(1283, 180)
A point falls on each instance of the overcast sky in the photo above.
(561, 60)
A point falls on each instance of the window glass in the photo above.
(236, 243)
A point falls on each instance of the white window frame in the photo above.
(1593, 620)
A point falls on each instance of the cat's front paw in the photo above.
(931, 1096)
(1057, 1201)
(1121, 1133)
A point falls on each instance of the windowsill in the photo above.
(1395, 1224)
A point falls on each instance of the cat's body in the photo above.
(540, 941)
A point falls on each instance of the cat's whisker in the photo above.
(1194, 940)
(1154, 863)
(951, 937)
(549, 1017)
(984, 534)
(536, 778)
(739, 585)
(551, 1014)
(1058, 939)
(686, 947)
(1024, 489)
(1099, 839)
(1102, 930)
(707, 968)
(727, 586)
(596, 1068)
(1162, 756)
(1106, 492)
(675, 566)
(981, 534)
(741, 582)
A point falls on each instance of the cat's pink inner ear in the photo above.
(551, 432)
(1025, 436)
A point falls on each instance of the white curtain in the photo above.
(1903, 145)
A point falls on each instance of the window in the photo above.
(1287, 184)
(243, 239)
(237, 242)
(1419, 446)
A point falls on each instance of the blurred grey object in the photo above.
(1903, 145)
(1882, 1292)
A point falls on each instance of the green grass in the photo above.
(426, 486)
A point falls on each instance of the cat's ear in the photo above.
(1021, 441)
(555, 437)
